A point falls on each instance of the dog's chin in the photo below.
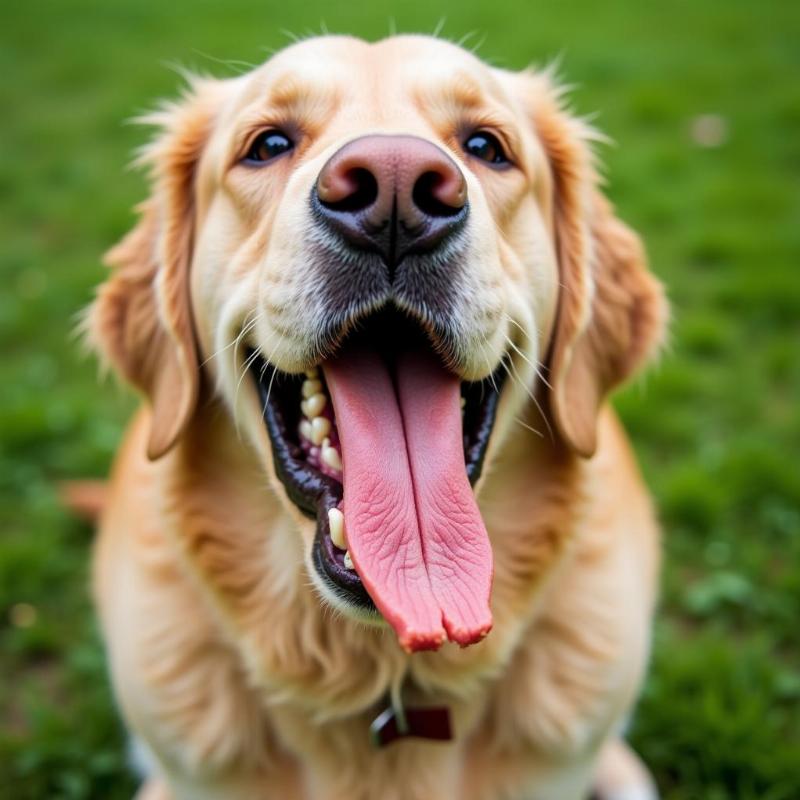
(330, 594)
(307, 454)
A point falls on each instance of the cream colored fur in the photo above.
(241, 680)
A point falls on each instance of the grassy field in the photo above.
(703, 99)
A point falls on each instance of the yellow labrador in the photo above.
(374, 533)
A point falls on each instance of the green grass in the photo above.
(717, 425)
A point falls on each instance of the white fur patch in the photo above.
(640, 791)
(140, 758)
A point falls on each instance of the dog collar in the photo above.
(398, 722)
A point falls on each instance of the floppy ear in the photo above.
(611, 311)
(141, 320)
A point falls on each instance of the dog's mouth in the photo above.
(380, 445)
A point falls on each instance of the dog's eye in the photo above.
(486, 147)
(268, 145)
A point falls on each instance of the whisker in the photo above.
(248, 326)
(529, 427)
(474, 49)
(489, 364)
(515, 376)
(243, 333)
(246, 366)
(269, 391)
(238, 67)
(263, 370)
(534, 367)
(292, 37)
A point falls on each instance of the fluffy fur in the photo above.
(241, 680)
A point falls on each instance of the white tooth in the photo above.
(320, 428)
(463, 402)
(348, 562)
(314, 405)
(336, 525)
(305, 429)
(312, 374)
(330, 455)
(310, 388)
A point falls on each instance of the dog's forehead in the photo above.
(401, 70)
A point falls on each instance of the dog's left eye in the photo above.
(268, 145)
(486, 147)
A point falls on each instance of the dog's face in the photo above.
(374, 251)
(344, 176)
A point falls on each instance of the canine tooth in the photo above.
(336, 525)
(314, 405)
(311, 387)
(463, 402)
(348, 562)
(330, 455)
(312, 374)
(305, 429)
(320, 428)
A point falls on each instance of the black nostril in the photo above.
(424, 196)
(391, 195)
(363, 195)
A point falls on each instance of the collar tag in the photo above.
(423, 723)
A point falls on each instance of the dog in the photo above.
(375, 531)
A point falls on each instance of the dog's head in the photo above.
(377, 254)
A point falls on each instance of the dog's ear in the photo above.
(611, 311)
(141, 319)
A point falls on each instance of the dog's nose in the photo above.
(393, 195)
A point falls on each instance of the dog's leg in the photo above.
(621, 774)
(153, 789)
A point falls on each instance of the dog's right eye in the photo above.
(268, 145)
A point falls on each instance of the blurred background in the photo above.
(703, 100)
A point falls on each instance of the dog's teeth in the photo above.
(312, 374)
(320, 428)
(463, 403)
(314, 405)
(336, 525)
(311, 387)
(348, 562)
(305, 429)
(330, 455)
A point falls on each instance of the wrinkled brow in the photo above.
(463, 97)
(460, 92)
(291, 92)
(292, 97)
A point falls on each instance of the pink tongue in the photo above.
(414, 531)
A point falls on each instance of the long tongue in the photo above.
(414, 531)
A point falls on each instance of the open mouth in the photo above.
(380, 444)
